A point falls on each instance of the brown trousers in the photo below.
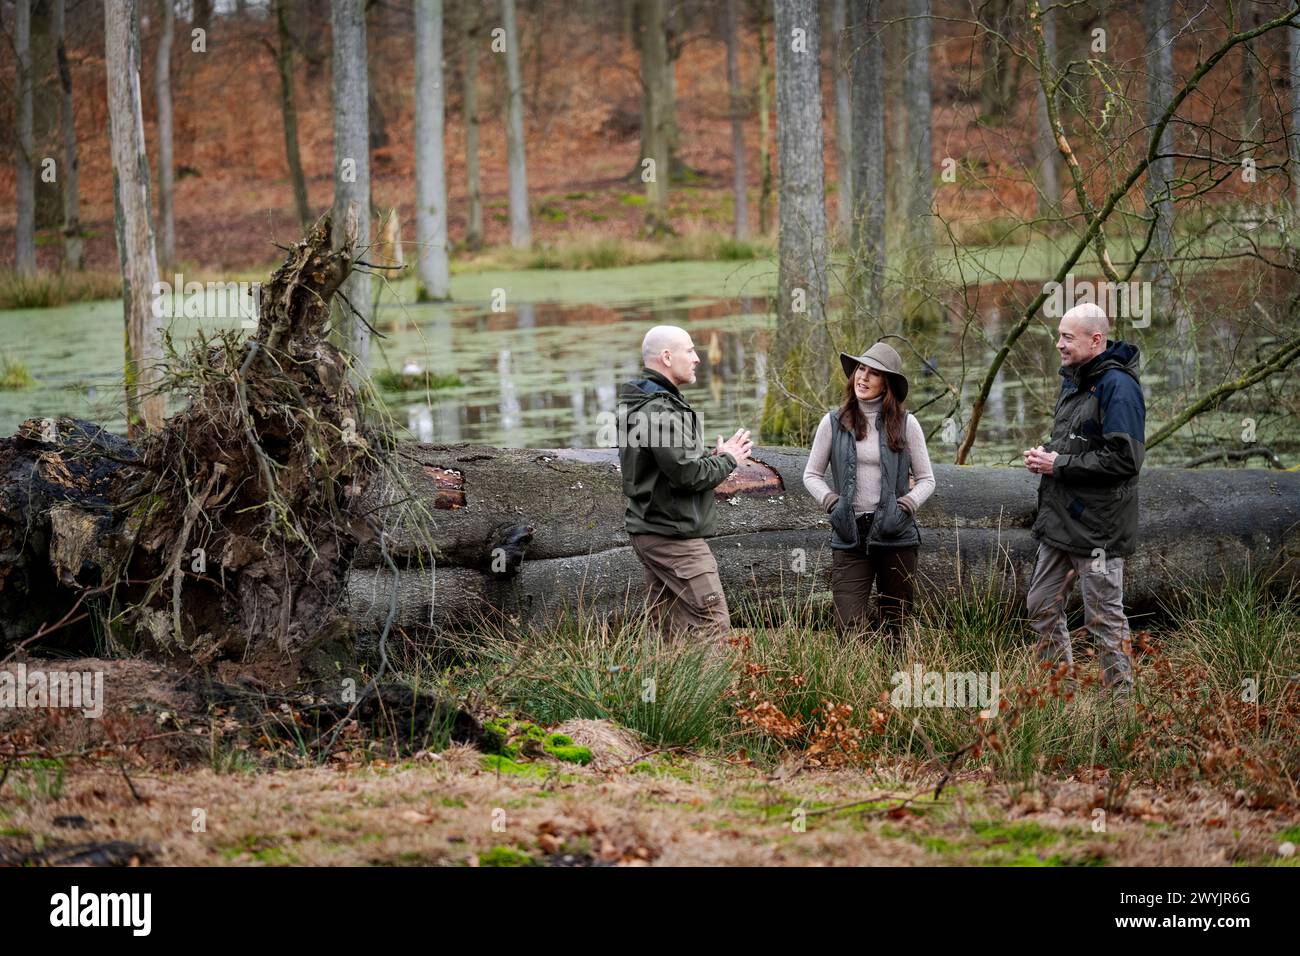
(854, 572)
(683, 587)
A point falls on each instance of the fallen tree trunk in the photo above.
(529, 533)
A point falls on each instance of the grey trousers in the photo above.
(1102, 583)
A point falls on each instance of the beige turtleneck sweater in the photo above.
(867, 492)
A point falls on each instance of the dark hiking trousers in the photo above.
(853, 574)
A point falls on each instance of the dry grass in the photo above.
(664, 810)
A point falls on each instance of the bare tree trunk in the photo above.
(1250, 130)
(474, 237)
(352, 175)
(145, 404)
(739, 187)
(201, 17)
(801, 357)
(1293, 53)
(521, 234)
(163, 98)
(898, 174)
(668, 95)
(73, 242)
(764, 126)
(1160, 63)
(430, 167)
(655, 135)
(1001, 68)
(840, 51)
(1049, 183)
(289, 111)
(868, 61)
(916, 93)
(25, 230)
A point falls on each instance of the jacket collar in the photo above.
(1116, 354)
(660, 379)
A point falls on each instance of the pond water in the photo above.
(538, 372)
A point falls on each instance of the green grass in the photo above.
(391, 380)
(580, 667)
(14, 373)
(802, 670)
(582, 253)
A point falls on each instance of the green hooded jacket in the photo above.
(668, 472)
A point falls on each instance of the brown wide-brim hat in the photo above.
(883, 358)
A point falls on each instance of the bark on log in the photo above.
(557, 518)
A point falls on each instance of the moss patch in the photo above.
(505, 856)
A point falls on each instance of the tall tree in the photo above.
(764, 122)
(840, 52)
(1293, 64)
(430, 167)
(145, 403)
(1251, 17)
(1160, 84)
(289, 112)
(1045, 150)
(201, 15)
(521, 233)
(867, 70)
(25, 233)
(655, 164)
(469, 100)
(739, 182)
(352, 173)
(801, 356)
(1001, 68)
(73, 242)
(899, 172)
(163, 99)
(916, 94)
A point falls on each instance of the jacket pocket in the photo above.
(1094, 511)
(891, 523)
(702, 588)
(843, 521)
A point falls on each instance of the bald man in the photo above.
(1088, 494)
(668, 477)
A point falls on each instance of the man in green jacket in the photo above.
(1088, 497)
(668, 477)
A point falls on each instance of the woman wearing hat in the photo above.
(872, 445)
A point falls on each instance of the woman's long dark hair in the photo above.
(893, 411)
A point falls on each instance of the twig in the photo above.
(134, 792)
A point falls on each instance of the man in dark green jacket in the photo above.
(1088, 495)
(668, 477)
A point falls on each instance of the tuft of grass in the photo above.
(390, 380)
(46, 289)
(14, 373)
(577, 666)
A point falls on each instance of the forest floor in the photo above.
(664, 809)
(185, 797)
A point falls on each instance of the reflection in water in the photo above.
(539, 374)
(419, 421)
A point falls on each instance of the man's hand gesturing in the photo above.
(738, 446)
